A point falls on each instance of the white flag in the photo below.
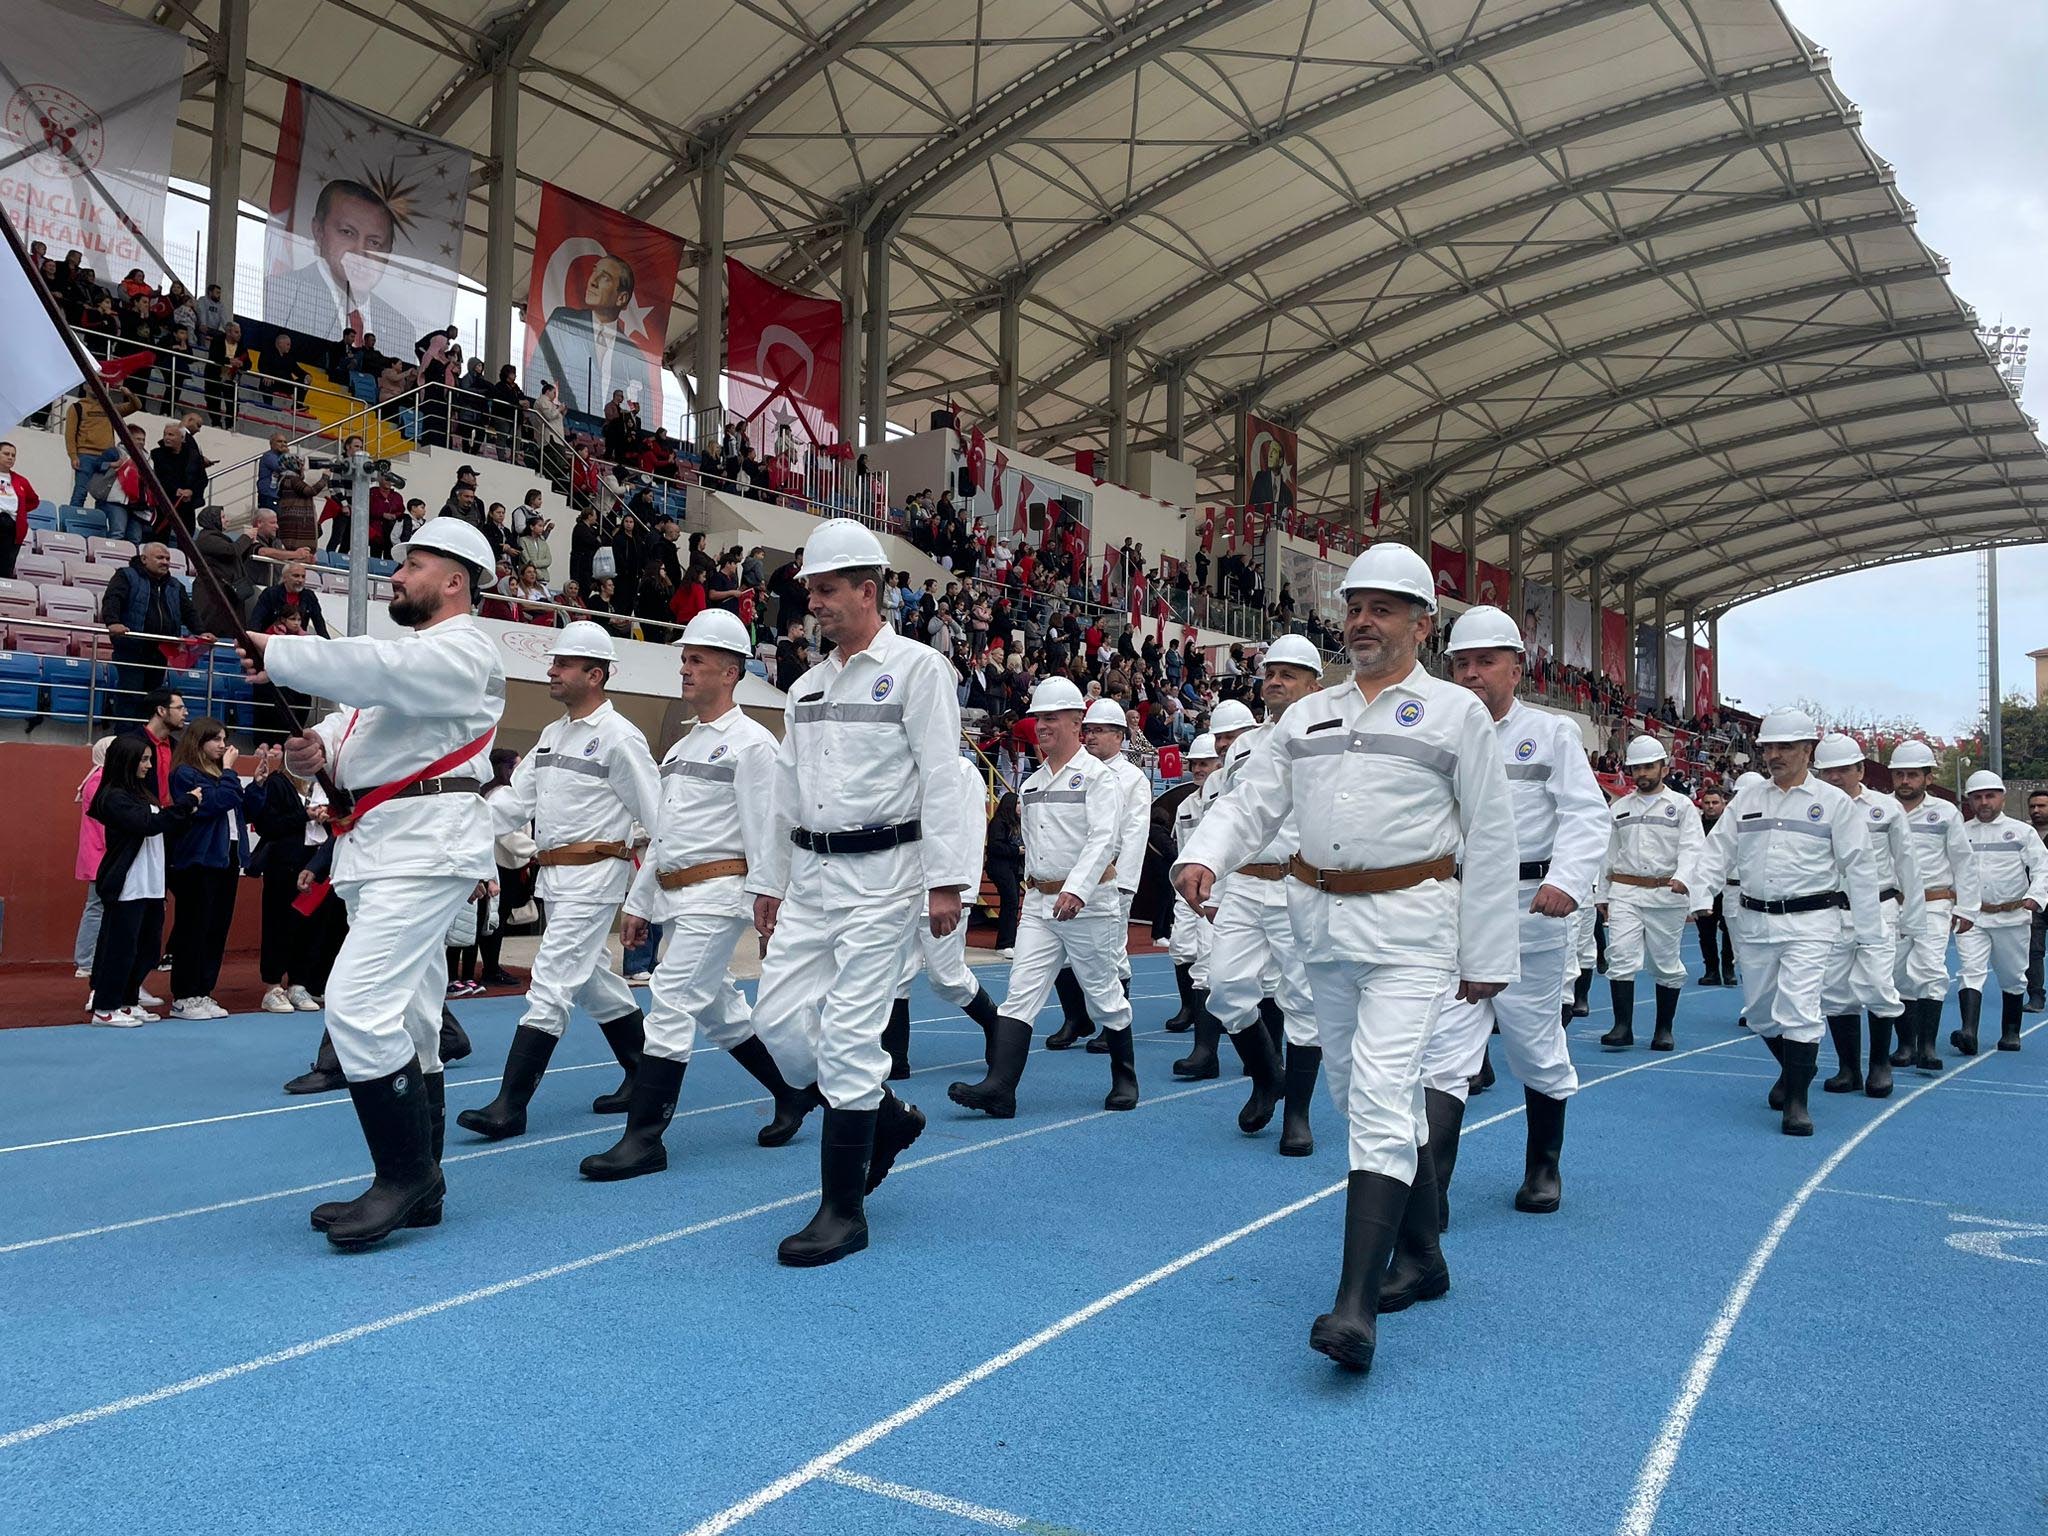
(39, 366)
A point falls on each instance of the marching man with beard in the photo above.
(2012, 868)
(585, 784)
(410, 744)
(1386, 776)
(1561, 834)
(868, 830)
(715, 822)
(1649, 872)
(1948, 872)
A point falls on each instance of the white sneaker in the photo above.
(141, 1015)
(214, 1009)
(639, 978)
(83, 972)
(120, 1018)
(191, 1008)
(276, 1001)
(148, 999)
(303, 1000)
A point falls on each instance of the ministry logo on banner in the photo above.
(88, 105)
(366, 222)
(597, 305)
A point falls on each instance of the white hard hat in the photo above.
(1912, 754)
(1106, 712)
(717, 630)
(1392, 568)
(1204, 748)
(841, 544)
(1054, 695)
(1749, 780)
(1231, 715)
(1788, 725)
(583, 637)
(1294, 651)
(1645, 749)
(1837, 751)
(452, 536)
(1983, 778)
(1484, 628)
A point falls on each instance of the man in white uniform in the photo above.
(1230, 720)
(411, 746)
(1189, 943)
(1860, 980)
(1073, 809)
(1258, 984)
(945, 959)
(2012, 871)
(584, 785)
(1386, 775)
(1644, 888)
(1948, 871)
(1104, 730)
(715, 822)
(867, 838)
(1561, 835)
(1799, 847)
(1731, 901)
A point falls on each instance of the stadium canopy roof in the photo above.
(1616, 276)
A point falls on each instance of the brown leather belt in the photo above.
(1054, 887)
(1941, 893)
(1263, 871)
(1643, 882)
(581, 853)
(1371, 882)
(2001, 906)
(697, 874)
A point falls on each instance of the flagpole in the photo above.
(152, 488)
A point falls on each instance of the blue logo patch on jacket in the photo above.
(590, 747)
(1409, 713)
(882, 686)
(1814, 813)
(1525, 751)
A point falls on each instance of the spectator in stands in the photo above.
(584, 543)
(386, 507)
(528, 586)
(225, 558)
(1005, 866)
(164, 715)
(205, 858)
(603, 604)
(464, 503)
(290, 599)
(17, 499)
(130, 880)
(406, 524)
(499, 604)
(262, 551)
(212, 311)
(792, 655)
(546, 420)
(89, 438)
(287, 380)
(270, 468)
(144, 598)
(297, 521)
(180, 472)
(227, 361)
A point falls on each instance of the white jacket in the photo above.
(587, 780)
(1136, 787)
(1283, 843)
(1786, 843)
(1941, 850)
(1560, 813)
(2011, 866)
(1894, 861)
(1653, 835)
(717, 801)
(1073, 819)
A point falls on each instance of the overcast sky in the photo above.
(1952, 95)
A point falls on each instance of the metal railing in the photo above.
(213, 682)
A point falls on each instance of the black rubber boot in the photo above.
(1908, 1030)
(1418, 1271)
(505, 1116)
(1075, 1023)
(896, 1039)
(1123, 1070)
(1924, 1058)
(982, 1009)
(1184, 980)
(626, 1035)
(1348, 1333)
(1483, 1079)
(1846, 1030)
(324, 1076)
(1262, 1065)
(1200, 1063)
(454, 1038)
(897, 1125)
(2009, 1021)
(1623, 1034)
(429, 1215)
(996, 1094)
(840, 1226)
(1098, 1044)
(1877, 1079)
(1801, 1061)
(1776, 1098)
(1582, 994)
(1667, 1010)
(1275, 1022)
(1304, 1063)
(397, 1124)
(1970, 1005)
(1446, 1112)
(1542, 1185)
(656, 1085)
(791, 1104)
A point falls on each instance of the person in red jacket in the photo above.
(17, 499)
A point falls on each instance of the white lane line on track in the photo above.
(1871, 1194)
(337, 1100)
(1654, 1476)
(521, 1282)
(945, 1504)
(830, 1462)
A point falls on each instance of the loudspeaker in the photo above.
(941, 420)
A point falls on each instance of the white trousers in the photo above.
(2002, 949)
(828, 979)
(1123, 941)
(385, 992)
(1781, 987)
(1530, 1014)
(1255, 956)
(693, 986)
(1087, 944)
(1190, 942)
(1373, 1022)
(1582, 950)
(945, 963)
(1921, 964)
(572, 968)
(1632, 928)
(1861, 980)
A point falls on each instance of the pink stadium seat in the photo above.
(18, 600)
(38, 641)
(60, 544)
(110, 551)
(72, 605)
(40, 569)
(179, 564)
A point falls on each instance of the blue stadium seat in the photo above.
(90, 521)
(20, 683)
(68, 680)
(190, 682)
(332, 560)
(44, 517)
(234, 700)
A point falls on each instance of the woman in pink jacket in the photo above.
(92, 846)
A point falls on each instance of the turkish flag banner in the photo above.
(995, 486)
(781, 358)
(597, 305)
(977, 456)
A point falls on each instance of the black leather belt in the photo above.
(440, 787)
(1535, 869)
(859, 840)
(1892, 893)
(1820, 901)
